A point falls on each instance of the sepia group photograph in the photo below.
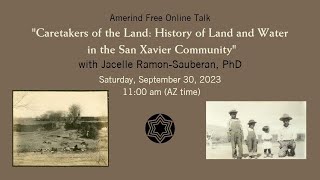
(256, 130)
(60, 128)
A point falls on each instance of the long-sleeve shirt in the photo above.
(287, 133)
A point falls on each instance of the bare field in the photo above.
(26, 145)
(61, 159)
(223, 151)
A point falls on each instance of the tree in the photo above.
(74, 113)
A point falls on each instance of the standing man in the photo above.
(287, 138)
(235, 134)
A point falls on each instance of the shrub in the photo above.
(99, 125)
(93, 132)
(49, 126)
(71, 126)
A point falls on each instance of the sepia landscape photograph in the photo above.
(60, 128)
(256, 130)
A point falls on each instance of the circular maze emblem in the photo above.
(160, 128)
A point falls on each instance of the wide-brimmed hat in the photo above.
(265, 128)
(285, 117)
(252, 122)
(233, 111)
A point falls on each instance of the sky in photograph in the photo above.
(92, 103)
(265, 113)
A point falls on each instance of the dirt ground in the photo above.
(26, 143)
(61, 159)
(223, 151)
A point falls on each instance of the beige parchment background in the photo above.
(273, 70)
